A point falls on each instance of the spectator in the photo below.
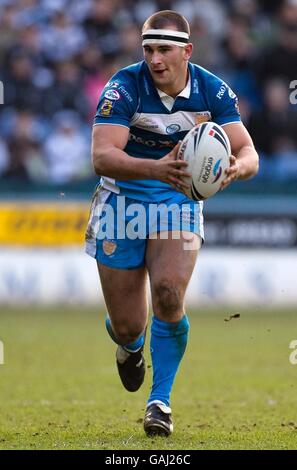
(62, 39)
(67, 150)
(58, 54)
(65, 92)
(95, 83)
(100, 26)
(7, 30)
(24, 146)
(20, 90)
(279, 60)
(239, 53)
(273, 128)
(129, 36)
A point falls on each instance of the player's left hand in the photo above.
(232, 173)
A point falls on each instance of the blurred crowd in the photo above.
(56, 56)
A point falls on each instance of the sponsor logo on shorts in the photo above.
(112, 95)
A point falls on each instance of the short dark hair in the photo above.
(165, 18)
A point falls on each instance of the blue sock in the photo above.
(168, 344)
(131, 347)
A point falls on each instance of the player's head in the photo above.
(167, 48)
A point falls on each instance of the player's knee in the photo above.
(167, 298)
(126, 334)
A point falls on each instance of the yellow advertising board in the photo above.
(43, 224)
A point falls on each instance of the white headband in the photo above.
(165, 36)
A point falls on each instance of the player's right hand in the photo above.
(172, 170)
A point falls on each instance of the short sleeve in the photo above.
(118, 101)
(224, 103)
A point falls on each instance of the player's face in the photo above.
(168, 65)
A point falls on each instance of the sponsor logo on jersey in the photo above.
(195, 86)
(222, 91)
(106, 108)
(112, 84)
(231, 93)
(148, 123)
(202, 116)
(173, 128)
(125, 93)
(121, 88)
(112, 95)
(151, 143)
(146, 86)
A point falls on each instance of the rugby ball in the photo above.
(207, 150)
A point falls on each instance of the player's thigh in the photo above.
(170, 262)
(125, 294)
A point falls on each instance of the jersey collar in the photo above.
(185, 93)
(168, 101)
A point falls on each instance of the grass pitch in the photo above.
(59, 389)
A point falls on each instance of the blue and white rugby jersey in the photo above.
(131, 99)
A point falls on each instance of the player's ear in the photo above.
(188, 49)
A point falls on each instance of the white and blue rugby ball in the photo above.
(207, 150)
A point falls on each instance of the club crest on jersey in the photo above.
(112, 95)
(106, 108)
(172, 128)
(109, 247)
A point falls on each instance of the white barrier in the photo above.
(229, 276)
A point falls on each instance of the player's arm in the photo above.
(109, 159)
(244, 161)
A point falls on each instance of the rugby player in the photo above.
(143, 113)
